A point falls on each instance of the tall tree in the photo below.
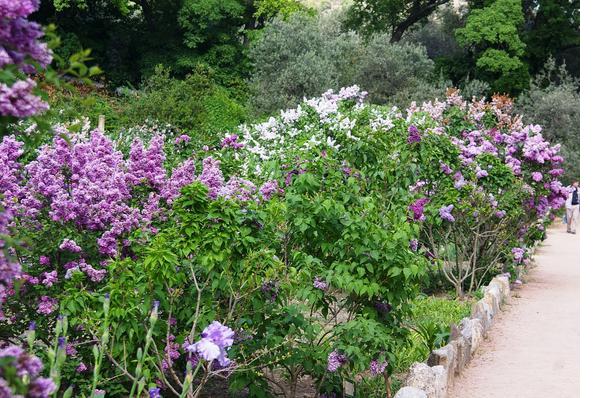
(552, 30)
(492, 36)
(389, 16)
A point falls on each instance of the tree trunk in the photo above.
(417, 12)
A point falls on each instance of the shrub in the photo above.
(302, 55)
(292, 257)
(195, 104)
(553, 101)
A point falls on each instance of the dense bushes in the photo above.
(303, 55)
(289, 261)
(196, 105)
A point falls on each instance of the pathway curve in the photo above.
(532, 349)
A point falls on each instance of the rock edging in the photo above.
(432, 379)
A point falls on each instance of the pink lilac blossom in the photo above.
(81, 368)
(27, 367)
(518, 254)
(445, 168)
(10, 170)
(238, 188)
(212, 176)
(71, 350)
(480, 173)
(19, 101)
(9, 268)
(183, 138)
(414, 245)
(49, 278)
(413, 134)
(231, 141)
(20, 45)
(537, 176)
(269, 189)
(171, 352)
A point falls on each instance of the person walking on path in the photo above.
(572, 207)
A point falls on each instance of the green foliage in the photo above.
(196, 104)
(492, 34)
(296, 58)
(552, 31)
(206, 22)
(430, 318)
(269, 9)
(391, 16)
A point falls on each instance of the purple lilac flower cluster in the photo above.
(518, 254)
(9, 268)
(231, 141)
(413, 134)
(377, 367)
(20, 45)
(27, 367)
(417, 208)
(521, 147)
(335, 359)
(446, 213)
(84, 181)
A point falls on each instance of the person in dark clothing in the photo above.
(572, 207)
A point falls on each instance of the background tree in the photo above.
(492, 37)
(389, 16)
(552, 29)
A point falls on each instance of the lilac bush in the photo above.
(21, 51)
(307, 236)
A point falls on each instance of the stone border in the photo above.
(432, 379)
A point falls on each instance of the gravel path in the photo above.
(532, 350)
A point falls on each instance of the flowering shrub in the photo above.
(291, 255)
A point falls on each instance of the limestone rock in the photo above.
(445, 356)
(472, 331)
(410, 392)
(483, 311)
(493, 296)
(432, 380)
(504, 283)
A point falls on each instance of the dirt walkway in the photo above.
(532, 350)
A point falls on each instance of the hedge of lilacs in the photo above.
(287, 254)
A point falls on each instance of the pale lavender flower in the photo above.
(81, 367)
(320, 284)
(216, 339)
(69, 245)
(445, 213)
